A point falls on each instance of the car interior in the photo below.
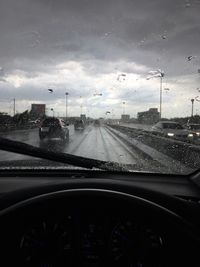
(105, 187)
(99, 218)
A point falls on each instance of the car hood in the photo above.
(38, 164)
(42, 164)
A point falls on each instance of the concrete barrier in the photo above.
(9, 128)
(186, 153)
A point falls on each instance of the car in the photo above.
(97, 123)
(79, 125)
(53, 127)
(194, 127)
(174, 130)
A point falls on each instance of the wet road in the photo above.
(93, 142)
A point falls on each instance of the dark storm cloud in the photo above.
(47, 32)
(105, 38)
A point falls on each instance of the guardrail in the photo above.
(7, 128)
(185, 152)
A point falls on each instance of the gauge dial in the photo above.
(92, 242)
(47, 243)
(132, 245)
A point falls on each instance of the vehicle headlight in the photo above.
(198, 133)
(170, 134)
(190, 135)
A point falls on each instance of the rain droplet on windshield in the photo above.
(187, 4)
(197, 98)
(166, 90)
(189, 58)
(106, 35)
(142, 42)
(121, 75)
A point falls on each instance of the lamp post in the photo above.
(161, 77)
(123, 107)
(192, 100)
(14, 107)
(52, 111)
(81, 105)
(66, 95)
(158, 74)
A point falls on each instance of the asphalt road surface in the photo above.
(93, 142)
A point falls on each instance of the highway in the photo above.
(107, 144)
(93, 142)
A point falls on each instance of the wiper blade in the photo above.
(29, 150)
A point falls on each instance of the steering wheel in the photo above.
(17, 221)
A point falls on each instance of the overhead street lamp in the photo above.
(161, 77)
(112, 113)
(158, 74)
(14, 107)
(81, 105)
(123, 107)
(66, 94)
(192, 100)
(52, 111)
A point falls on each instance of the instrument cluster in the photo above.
(90, 239)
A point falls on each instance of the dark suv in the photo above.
(79, 125)
(96, 123)
(54, 128)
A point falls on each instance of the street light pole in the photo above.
(161, 81)
(192, 100)
(66, 94)
(124, 107)
(160, 97)
(14, 107)
(52, 111)
(156, 74)
(81, 105)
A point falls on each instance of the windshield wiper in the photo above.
(26, 149)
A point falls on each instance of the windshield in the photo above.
(105, 72)
(50, 122)
(194, 126)
(172, 126)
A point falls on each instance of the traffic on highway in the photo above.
(130, 147)
(99, 102)
(94, 142)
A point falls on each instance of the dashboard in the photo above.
(91, 223)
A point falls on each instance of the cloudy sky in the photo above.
(108, 47)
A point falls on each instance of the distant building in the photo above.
(149, 117)
(38, 110)
(125, 117)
